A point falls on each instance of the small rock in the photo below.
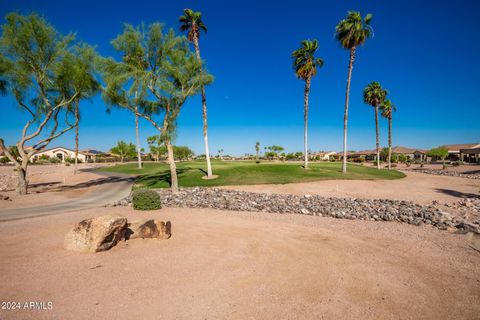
(148, 229)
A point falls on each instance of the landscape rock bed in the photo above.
(342, 208)
(447, 173)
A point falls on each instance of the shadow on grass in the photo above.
(151, 180)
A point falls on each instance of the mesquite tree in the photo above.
(83, 78)
(38, 69)
(162, 70)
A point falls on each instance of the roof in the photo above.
(91, 152)
(457, 147)
(362, 153)
(84, 152)
(405, 150)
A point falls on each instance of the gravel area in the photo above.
(447, 173)
(315, 205)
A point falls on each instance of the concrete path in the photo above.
(117, 187)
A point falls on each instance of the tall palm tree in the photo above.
(375, 95)
(192, 23)
(305, 64)
(137, 135)
(351, 32)
(387, 110)
(257, 148)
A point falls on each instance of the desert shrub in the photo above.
(146, 199)
(258, 161)
(54, 160)
(4, 160)
(455, 163)
(359, 160)
(72, 160)
(393, 165)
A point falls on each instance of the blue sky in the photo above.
(423, 52)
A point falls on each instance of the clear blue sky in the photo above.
(424, 52)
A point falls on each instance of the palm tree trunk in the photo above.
(76, 137)
(204, 110)
(139, 155)
(305, 121)
(389, 143)
(173, 167)
(377, 137)
(345, 115)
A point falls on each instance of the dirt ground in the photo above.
(418, 187)
(233, 265)
(50, 184)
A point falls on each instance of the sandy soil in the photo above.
(418, 187)
(51, 184)
(232, 265)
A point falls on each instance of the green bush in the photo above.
(72, 160)
(54, 160)
(4, 160)
(257, 161)
(146, 199)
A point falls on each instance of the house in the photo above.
(470, 155)
(413, 154)
(62, 154)
(364, 154)
(323, 155)
(454, 150)
(2, 154)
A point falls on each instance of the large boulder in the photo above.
(96, 234)
(148, 228)
(473, 240)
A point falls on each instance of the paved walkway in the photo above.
(117, 187)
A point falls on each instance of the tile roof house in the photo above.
(64, 153)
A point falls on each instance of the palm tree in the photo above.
(305, 64)
(137, 135)
(257, 149)
(387, 110)
(351, 32)
(192, 23)
(375, 95)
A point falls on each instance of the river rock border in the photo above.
(342, 208)
(447, 173)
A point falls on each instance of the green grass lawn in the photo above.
(157, 175)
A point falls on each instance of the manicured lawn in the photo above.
(157, 175)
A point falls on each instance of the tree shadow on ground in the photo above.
(91, 183)
(471, 172)
(151, 180)
(56, 186)
(457, 194)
